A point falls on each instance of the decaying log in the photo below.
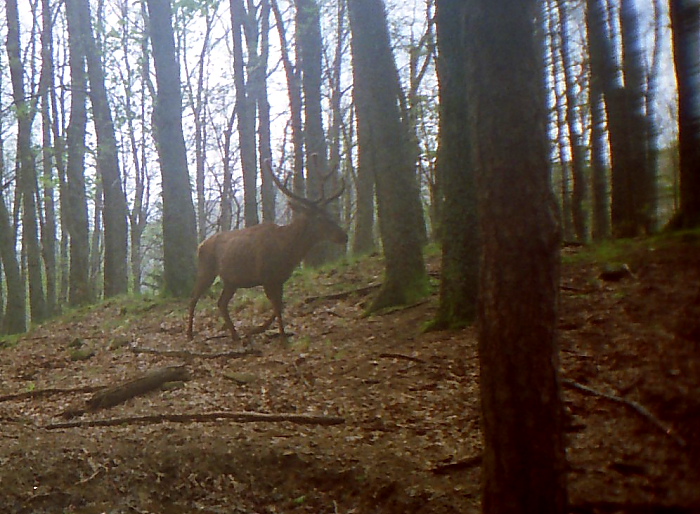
(639, 409)
(236, 417)
(117, 394)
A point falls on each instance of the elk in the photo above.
(264, 254)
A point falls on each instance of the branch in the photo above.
(184, 354)
(236, 417)
(40, 393)
(636, 407)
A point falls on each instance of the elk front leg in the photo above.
(223, 302)
(204, 280)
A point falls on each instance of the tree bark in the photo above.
(459, 223)
(524, 461)
(115, 208)
(685, 23)
(388, 155)
(27, 178)
(245, 105)
(48, 227)
(579, 190)
(179, 227)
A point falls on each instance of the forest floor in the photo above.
(409, 440)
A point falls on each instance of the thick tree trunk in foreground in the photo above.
(524, 460)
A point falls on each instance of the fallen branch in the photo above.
(117, 394)
(40, 393)
(470, 462)
(237, 417)
(401, 356)
(344, 294)
(184, 354)
(636, 407)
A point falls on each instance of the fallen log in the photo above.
(117, 394)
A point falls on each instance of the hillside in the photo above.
(409, 440)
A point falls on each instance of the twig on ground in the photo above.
(636, 407)
(401, 356)
(39, 393)
(237, 417)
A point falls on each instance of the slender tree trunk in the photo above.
(74, 199)
(293, 77)
(388, 154)
(245, 105)
(685, 23)
(600, 198)
(267, 188)
(642, 179)
(15, 320)
(524, 467)
(48, 232)
(578, 158)
(27, 179)
(319, 180)
(179, 226)
(115, 208)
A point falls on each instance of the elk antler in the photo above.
(321, 202)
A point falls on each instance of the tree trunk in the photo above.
(309, 45)
(458, 222)
(74, 200)
(48, 228)
(15, 320)
(179, 227)
(115, 208)
(27, 178)
(524, 467)
(388, 155)
(293, 77)
(685, 23)
(267, 188)
(245, 105)
(642, 178)
(579, 193)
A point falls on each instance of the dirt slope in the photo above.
(411, 437)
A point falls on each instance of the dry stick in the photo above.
(238, 417)
(39, 393)
(636, 407)
(344, 294)
(401, 356)
(184, 354)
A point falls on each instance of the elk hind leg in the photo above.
(274, 294)
(223, 302)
